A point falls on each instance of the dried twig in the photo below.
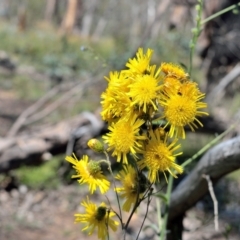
(215, 202)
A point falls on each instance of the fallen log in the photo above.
(35, 148)
(217, 162)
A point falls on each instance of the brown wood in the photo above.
(217, 162)
(35, 147)
(70, 16)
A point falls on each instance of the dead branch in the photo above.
(32, 149)
(214, 199)
(219, 91)
(33, 113)
(78, 89)
(35, 107)
(217, 162)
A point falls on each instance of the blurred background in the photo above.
(54, 55)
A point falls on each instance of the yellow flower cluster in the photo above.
(147, 108)
(144, 91)
(140, 95)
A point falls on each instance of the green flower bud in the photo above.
(95, 145)
(93, 167)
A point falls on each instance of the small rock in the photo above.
(4, 196)
(23, 189)
(14, 193)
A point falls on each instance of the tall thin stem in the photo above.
(110, 170)
(206, 147)
(148, 204)
(199, 23)
(165, 218)
(217, 14)
(196, 32)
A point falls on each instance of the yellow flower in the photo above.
(159, 131)
(172, 84)
(124, 138)
(139, 64)
(190, 89)
(96, 217)
(115, 105)
(181, 109)
(158, 156)
(89, 172)
(115, 101)
(145, 90)
(134, 185)
(173, 70)
(118, 81)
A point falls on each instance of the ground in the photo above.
(29, 214)
(10, 108)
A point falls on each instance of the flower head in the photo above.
(116, 102)
(89, 172)
(139, 64)
(133, 186)
(96, 217)
(173, 70)
(172, 84)
(182, 108)
(145, 90)
(124, 138)
(159, 156)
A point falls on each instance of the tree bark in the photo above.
(217, 162)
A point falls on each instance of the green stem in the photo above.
(165, 218)
(110, 170)
(145, 216)
(206, 147)
(232, 7)
(158, 205)
(196, 32)
(137, 203)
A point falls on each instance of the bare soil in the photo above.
(48, 215)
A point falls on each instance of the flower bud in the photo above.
(93, 167)
(95, 145)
